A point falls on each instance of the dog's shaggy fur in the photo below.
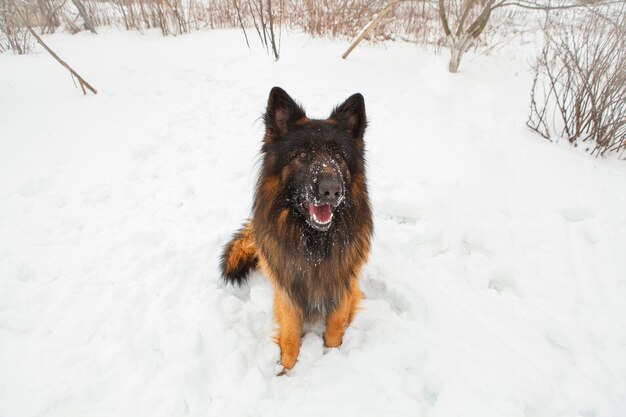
(311, 223)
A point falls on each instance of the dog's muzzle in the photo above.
(326, 193)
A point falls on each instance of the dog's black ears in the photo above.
(282, 112)
(351, 115)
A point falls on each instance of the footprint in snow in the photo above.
(577, 214)
(33, 187)
(376, 289)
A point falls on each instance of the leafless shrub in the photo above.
(414, 21)
(463, 21)
(332, 18)
(13, 35)
(579, 89)
(409, 20)
(263, 17)
(49, 15)
(166, 15)
(464, 24)
(45, 15)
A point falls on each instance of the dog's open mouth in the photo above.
(320, 216)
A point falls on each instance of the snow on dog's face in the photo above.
(312, 163)
(317, 183)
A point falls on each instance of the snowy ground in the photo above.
(496, 285)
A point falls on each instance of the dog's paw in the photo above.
(283, 372)
(332, 341)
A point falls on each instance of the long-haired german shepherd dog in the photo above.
(311, 220)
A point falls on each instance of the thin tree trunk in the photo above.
(241, 22)
(455, 58)
(271, 22)
(459, 40)
(263, 24)
(84, 15)
(256, 26)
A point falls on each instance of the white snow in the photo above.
(496, 286)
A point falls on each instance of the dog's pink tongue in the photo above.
(321, 213)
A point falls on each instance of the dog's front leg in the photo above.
(341, 317)
(289, 320)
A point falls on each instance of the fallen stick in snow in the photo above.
(80, 79)
(371, 25)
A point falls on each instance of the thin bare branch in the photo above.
(81, 81)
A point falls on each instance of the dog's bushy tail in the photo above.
(239, 256)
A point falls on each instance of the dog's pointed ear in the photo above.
(281, 114)
(351, 115)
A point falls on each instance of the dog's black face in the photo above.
(315, 160)
(315, 172)
(321, 185)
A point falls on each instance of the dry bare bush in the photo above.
(463, 21)
(332, 18)
(165, 15)
(263, 17)
(579, 89)
(414, 21)
(456, 24)
(23, 19)
(45, 15)
(13, 36)
(417, 21)
(409, 20)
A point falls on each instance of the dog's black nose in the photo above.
(330, 190)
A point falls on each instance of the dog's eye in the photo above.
(338, 155)
(303, 155)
